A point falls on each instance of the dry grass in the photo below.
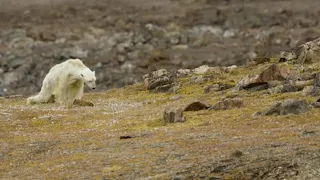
(51, 142)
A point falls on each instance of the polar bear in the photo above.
(64, 83)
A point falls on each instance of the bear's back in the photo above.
(75, 63)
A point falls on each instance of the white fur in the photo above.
(65, 83)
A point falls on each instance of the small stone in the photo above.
(229, 34)
(301, 84)
(288, 88)
(237, 153)
(183, 72)
(173, 115)
(217, 87)
(125, 137)
(287, 56)
(82, 103)
(196, 106)
(307, 133)
(212, 88)
(315, 104)
(228, 103)
(180, 47)
(199, 79)
(174, 98)
(274, 83)
(229, 69)
(316, 80)
(201, 70)
(121, 58)
(275, 90)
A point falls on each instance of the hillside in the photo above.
(123, 136)
(118, 38)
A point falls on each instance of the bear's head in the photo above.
(89, 77)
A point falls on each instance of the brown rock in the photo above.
(82, 103)
(196, 106)
(228, 103)
(272, 73)
(173, 115)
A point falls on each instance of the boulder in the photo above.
(272, 73)
(308, 52)
(173, 115)
(289, 106)
(196, 106)
(228, 103)
(159, 81)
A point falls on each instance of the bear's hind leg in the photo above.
(43, 97)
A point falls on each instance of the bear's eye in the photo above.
(82, 75)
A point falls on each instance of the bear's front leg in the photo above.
(61, 92)
(73, 92)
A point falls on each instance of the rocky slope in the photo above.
(123, 40)
(256, 121)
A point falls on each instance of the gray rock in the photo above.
(159, 81)
(287, 56)
(229, 33)
(301, 84)
(288, 88)
(307, 133)
(173, 115)
(289, 106)
(316, 80)
(308, 52)
(174, 38)
(201, 70)
(311, 91)
(183, 72)
(275, 90)
(155, 31)
(217, 87)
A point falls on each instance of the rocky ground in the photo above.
(256, 116)
(257, 121)
(122, 40)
